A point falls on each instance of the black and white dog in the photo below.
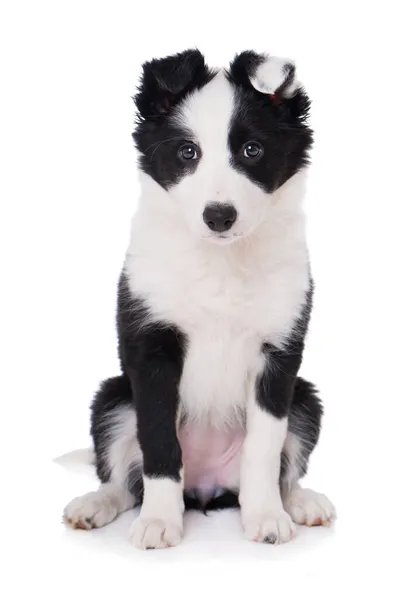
(213, 307)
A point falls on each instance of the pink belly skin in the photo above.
(211, 459)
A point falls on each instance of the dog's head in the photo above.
(221, 142)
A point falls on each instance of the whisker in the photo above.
(158, 144)
(155, 143)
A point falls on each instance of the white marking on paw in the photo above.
(160, 522)
(88, 511)
(98, 508)
(272, 528)
(155, 533)
(307, 507)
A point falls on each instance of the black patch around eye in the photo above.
(286, 139)
(159, 145)
(164, 85)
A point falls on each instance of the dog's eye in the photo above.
(252, 150)
(188, 152)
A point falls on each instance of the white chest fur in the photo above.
(228, 300)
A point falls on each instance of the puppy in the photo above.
(214, 302)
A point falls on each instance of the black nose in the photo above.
(219, 217)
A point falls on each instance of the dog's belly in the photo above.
(211, 459)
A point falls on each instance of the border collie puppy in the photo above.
(213, 307)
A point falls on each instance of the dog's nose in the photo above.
(219, 217)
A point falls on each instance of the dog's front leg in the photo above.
(263, 516)
(155, 381)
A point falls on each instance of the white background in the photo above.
(68, 190)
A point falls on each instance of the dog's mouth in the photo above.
(223, 239)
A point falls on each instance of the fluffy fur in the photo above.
(213, 308)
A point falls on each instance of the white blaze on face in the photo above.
(207, 115)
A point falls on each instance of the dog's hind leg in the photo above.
(118, 459)
(305, 506)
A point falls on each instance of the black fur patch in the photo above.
(165, 83)
(304, 421)
(227, 499)
(114, 393)
(243, 67)
(281, 128)
(305, 418)
(135, 484)
(152, 357)
(276, 384)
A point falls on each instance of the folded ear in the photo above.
(273, 76)
(167, 80)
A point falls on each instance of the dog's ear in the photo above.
(167, 80)
(273, 76)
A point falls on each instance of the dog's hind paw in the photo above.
(307, 507)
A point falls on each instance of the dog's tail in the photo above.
(77, 460)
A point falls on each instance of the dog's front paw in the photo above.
(274, 527)
(155, 533)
